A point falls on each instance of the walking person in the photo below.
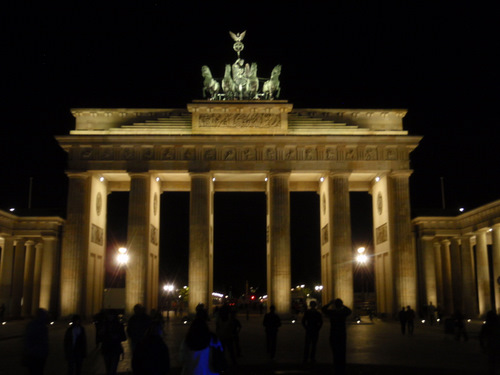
(75, 346)
(410, 319)
(338, 333)
(402, 320)
(271, 323)
(194, 353)
(36, 343)
(312, 321)
(431, 310)
(224, 329)
(459, 319)
(112, 337)
(151, 356)
(137, 325)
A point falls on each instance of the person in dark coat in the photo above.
(112, 337)
(36, 343)
(138, 325)
(410, 319)
(75, 346)
(338, 334)
(151, 355)
(402, 320)
(312, 321)
(271, 323)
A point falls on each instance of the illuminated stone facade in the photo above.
(29, 264)
(459, 260)
(265, 146)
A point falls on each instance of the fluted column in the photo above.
(439, 274)
(483, 276)
(49, 285)
(75, 245)
(18, 280)
(341, 242)
(137, 241)
(429, 267)
(200, 239)
(456, 274)
(403, 249)
(6, 273)
(495, 242)
(469, 293)
(29, 271)
(446, 267)
(278, 195)
(37, 273)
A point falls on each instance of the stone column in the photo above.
(403, 247)
(75, 245)
(200, 239)
(278, 196)
(49, 286)
(495, 242)
(35, 304)
(18, 280)
(429, 270)
(483, 276)
(341, 242)
(29, 271)
(456, 275)
(439, 274)
(446, 266)
(469, 294)
(6, 274)
(137, 241)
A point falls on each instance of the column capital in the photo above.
(496, 226)
(401, 173)
(339, 174)
(446, 242)
(482, 230)
(277, 172)
(138, 174)
(29, 243)
(82, 175)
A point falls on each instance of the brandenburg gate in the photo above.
(237, 145)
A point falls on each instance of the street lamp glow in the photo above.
(122, 250)
(361, 250)
(122, 258)
(168, 288)
(362, 258)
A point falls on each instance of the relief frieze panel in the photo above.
(86, 153)
(248, 153)
(167, 153)
(331, 153)
(106, 153)
(228, 154)
(370, 153)
(209, 153)
(270, 153)
(148, 153)
(290, 153)
(128, 153)
(391, 153)
(239, 120)
(96, 235)
(350, 153)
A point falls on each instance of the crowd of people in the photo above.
(203, 352)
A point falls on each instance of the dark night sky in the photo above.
(437, 62)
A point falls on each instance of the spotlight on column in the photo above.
(157, 179)
(377, 179)
(322, 179)
(101, 179)
(12, 209)
(213, 179)
(461, 209)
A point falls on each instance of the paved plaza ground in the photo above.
(377, 348)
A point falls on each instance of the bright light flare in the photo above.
(122, 258)
(168, 288)
(362, 259)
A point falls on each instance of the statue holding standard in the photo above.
(228, 85)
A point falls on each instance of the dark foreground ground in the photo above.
(377, 348)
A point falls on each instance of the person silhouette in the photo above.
(75, 345)
(271, 323)
(338, 333)
(312, 321)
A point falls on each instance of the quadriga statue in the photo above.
(271, 88)
(211, 87)
(228, 85)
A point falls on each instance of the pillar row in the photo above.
(495, 242)
(429, 270)
(469, 293)
(446, 272)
